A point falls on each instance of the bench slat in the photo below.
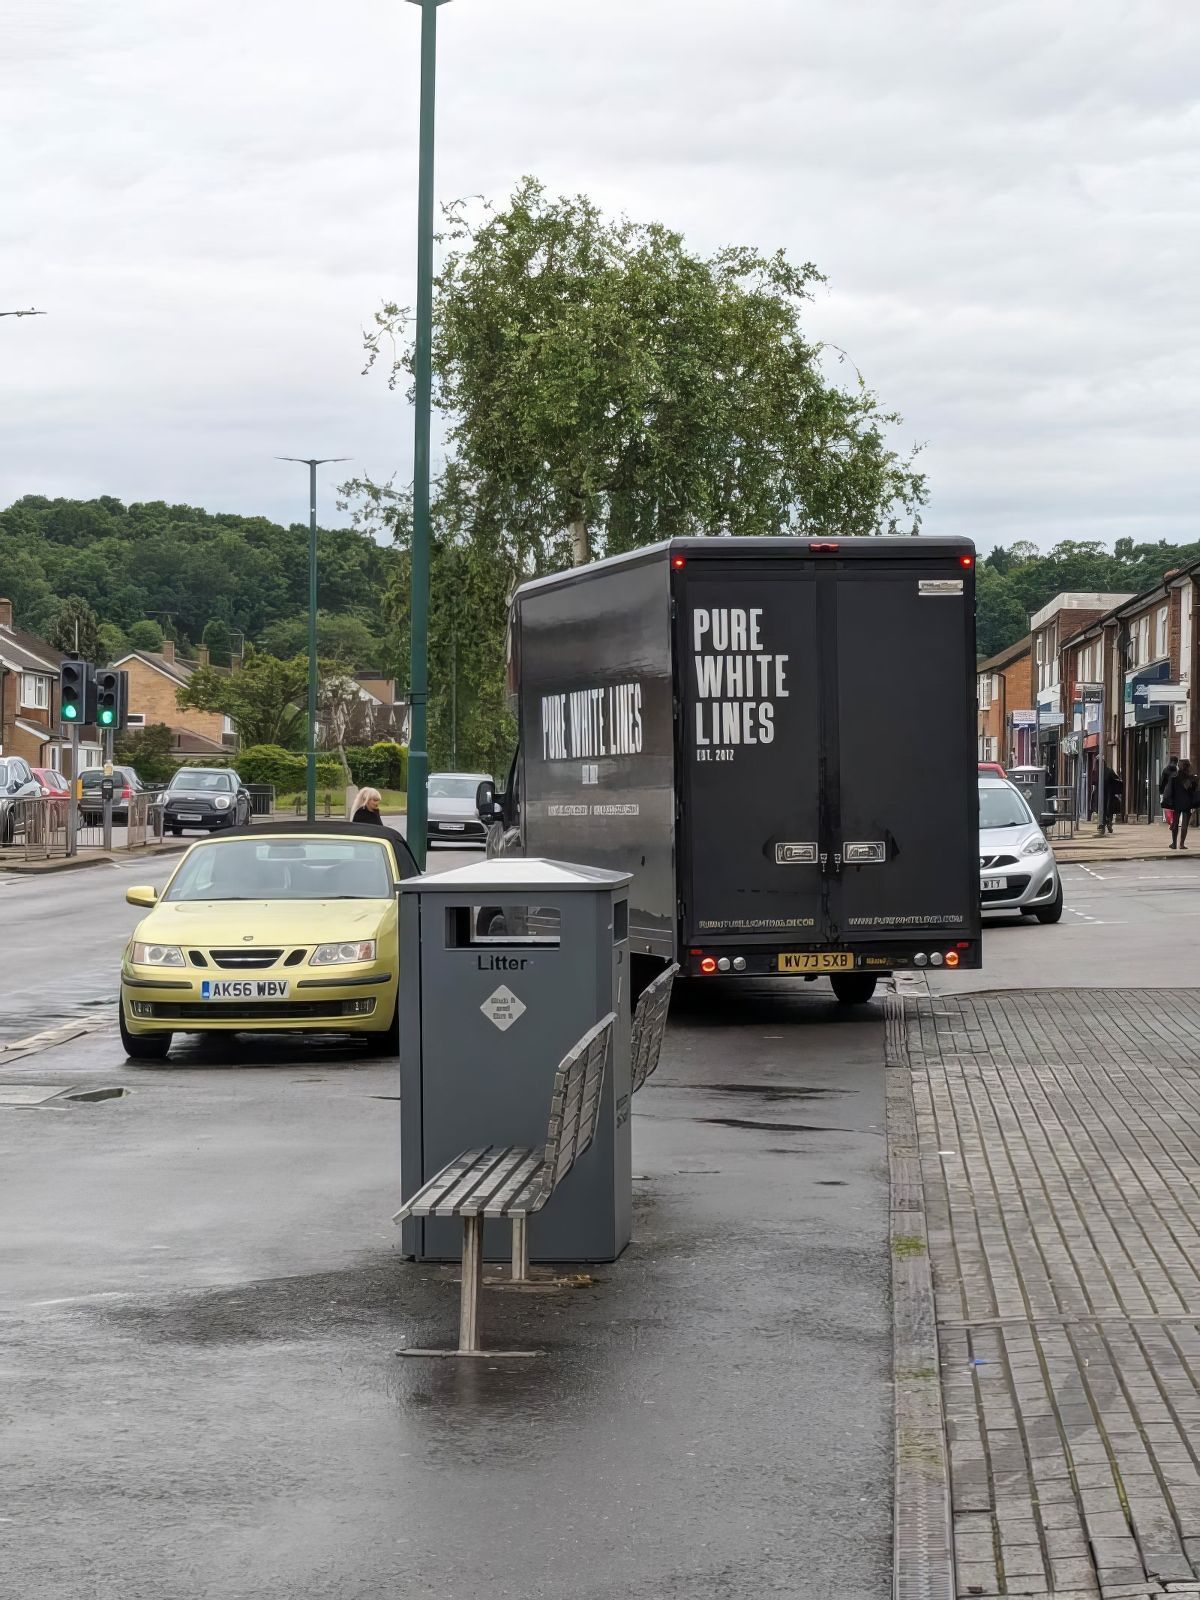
(497, 1180)
(470, 1181)
(421, 1203)
(523, 1183)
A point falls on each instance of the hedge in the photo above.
(379, 766)
(376, 766)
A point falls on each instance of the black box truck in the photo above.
(775, 736)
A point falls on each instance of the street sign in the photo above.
(1051, 719)
(1166, 694)
(1089, 691)
(1024, 719)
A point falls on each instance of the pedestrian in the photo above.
(1114, 792)
(1168, 772)
(1181, 798)
(366, 807)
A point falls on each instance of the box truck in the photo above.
(775, 736)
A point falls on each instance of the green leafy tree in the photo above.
(148, 751)
(262, 700)
(76, 628)
(218, 636)
(608, 387)
(112, 643)
(342, 637)
(145, 635)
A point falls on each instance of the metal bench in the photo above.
(515, 1183)
(649, 1026)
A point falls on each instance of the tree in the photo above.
(145, 635)
(112, 643)
(218, 636)
(607, 387)
(147, 750)
(262, 700)
(343, 637)
(76, 629)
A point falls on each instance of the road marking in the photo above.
(1091, 872)
(79, 1299)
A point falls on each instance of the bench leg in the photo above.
(472, 1283)
(520, 1250)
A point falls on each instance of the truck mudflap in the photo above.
(815, 961)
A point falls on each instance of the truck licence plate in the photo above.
(244, 989)
(815, 961)
(993, 883)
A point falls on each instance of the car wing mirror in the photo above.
(142, 895)
(486, 804)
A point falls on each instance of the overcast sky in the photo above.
(211, 198)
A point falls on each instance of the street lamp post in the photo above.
(312, 463)
(418, 747)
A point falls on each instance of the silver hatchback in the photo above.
(1018, 875)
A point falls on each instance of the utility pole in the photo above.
(312, 463)
(418, 751)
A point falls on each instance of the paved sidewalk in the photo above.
(1133, 841)
(1059, 1137)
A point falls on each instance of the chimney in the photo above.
(5, 613)
(168, 651)
(201, 655)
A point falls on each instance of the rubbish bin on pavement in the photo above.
(1031, 781)
(503, 967)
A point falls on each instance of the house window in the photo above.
(136, 719)
(1160, 633)
(35, 691)
(985, 690)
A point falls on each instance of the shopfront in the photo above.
(1147, 740)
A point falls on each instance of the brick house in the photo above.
(155, 677)
(1052, 629)
(1003, 685)
(29, 700)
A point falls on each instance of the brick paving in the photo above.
(1059, 1140)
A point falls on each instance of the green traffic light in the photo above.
(70, 712)
(106, 719)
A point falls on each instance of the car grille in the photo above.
(1016, 888)
(986, 863)
(460, 830)
(259, 1011)
(244, 960)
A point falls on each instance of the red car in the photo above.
(54, 785)
(993, 769)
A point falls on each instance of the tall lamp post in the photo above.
(418, 744)
(312, 463)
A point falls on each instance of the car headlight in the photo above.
(157, 955)
(222, 802)
(1035, 847)
(332, 955)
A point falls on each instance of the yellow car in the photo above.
(289, 925)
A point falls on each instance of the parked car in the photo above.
(453, 815)
(288, 925)
(1017, 870)
(54, 785)
(17, 783)
(210, 798)
(126, 784)
(992, 769)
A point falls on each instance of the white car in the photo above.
(1018, 874)
(453, 817)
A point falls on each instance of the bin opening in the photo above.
(509, 926)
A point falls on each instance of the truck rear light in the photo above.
(921, 960)
(823, 547)
(952, 958)
(739, 963)
(678, 561)
(966, 561)
(936, 958)
(963, 944)
(724, 964)
(708, 966)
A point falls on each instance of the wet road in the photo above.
(203, 1297)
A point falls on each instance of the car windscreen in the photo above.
(284, 869)
(4, 774)
(200, 782)
(452, 788)
(1002, 807)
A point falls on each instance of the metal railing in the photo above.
(1060, 815)
(41, 828)
(262, 798)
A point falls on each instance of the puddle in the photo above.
(769, 1127)
(766, 1091)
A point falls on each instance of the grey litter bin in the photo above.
(503, 967)
(1031, 781)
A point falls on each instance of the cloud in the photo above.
(211, 199)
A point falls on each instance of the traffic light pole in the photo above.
(73, 801)
(108, 788)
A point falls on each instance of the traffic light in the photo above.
(110, 697)
(76, 684)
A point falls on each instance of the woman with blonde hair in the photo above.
(366, 807)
